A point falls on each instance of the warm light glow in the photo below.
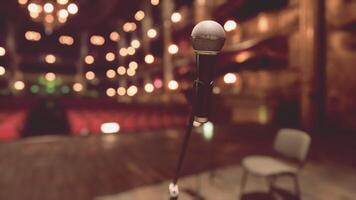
(173, 49)
(173, 85)
(149, 87)
(62, 13)
(89, 75)
(19, 85)
(110, 92)
(230, 25)
(66, 40)
(89, 59)
(62, 20)
(34, 8)
(62, 2)
(243, 56)
(131, 72)
(139, 15)
(176, 17)
(49, 19)
(131, 51)
(50, 76)
(22, 2)
(72, 8)
(123, 52)
(133, 65)
(154, 2)
(110, 56)
(50, 58)
(121, 91)
(152, 33)
(77, 87)
(34, 15)
(230, 78)
(158, 83)
(48, 7)
(97, 40)
(2, 51)
(32, 36)
(121, 70)
(2, 70)
(132, 90)
(262, 23)
(135, 44)
(110, 73)
(110, 127)
(149, 59)
(129, 27)
(114, 36)
(208, 130)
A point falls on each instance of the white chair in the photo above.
(291, 147)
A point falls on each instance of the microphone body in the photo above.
(203, 86)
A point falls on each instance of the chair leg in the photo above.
(243, 181)
(296, 186)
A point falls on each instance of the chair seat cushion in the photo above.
(267, 166)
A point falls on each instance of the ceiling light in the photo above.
(110, 92)
(149, 87)
(230, 78)
(110, 73)
(135, 44)
(152, 33)
(110, 56)
(19, 85)
(149, 59)
(121, 91)
(173, 49)
(50, 58)
(173, 85)
(176, 17)
(50, 76)
(230, 25)
(72, 8)
(77, 87)
(89, 75)
(48, 8)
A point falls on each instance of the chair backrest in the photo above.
(292, 143)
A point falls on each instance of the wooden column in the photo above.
(312, 61)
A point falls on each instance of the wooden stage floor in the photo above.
(84, 168)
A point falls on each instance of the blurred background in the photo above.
(95, 95)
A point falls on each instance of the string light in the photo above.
(2, 51)
(173, 49)
(65, 39)
(48, 8)
(131, 51)
(123, 51)
(78, 87)
(152, 33)
(19, 85)
(135, 44)
(121, 91)
(89, 75)
(110, 56)
(22, 2)
(154, 2)
(49, 19)
(110, 92)
(62, 13)
(149, 59)
(131, 72)
(121, 70)
(50, 59)
(149, 87)
(173, 85)
(158, 83)
(2, 70)
(230, 25)
(34, 8)
(110, 73)
(129, 27)
(133, 65)
(72, 8)
(176, 17)
(97, 40)
(139, 15)
(114, 36)
(50, 76)
(33, 36)
(230, 78)
(89, 59)
(62, 2)
(132, 90)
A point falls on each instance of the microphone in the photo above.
(208, 38)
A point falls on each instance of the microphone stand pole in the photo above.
(173, 187)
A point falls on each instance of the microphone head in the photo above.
(208, 37)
